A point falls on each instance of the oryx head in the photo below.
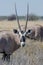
(22, 34)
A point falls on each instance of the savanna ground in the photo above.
(31, 54)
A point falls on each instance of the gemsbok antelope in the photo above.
(11, 40)
(36, 32)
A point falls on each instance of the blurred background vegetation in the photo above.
(31, 17)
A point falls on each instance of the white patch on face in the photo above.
(24, 34)
(20, 34)
(22, 43)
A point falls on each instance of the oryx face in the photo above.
(22, 34)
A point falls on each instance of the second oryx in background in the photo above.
(36, 32)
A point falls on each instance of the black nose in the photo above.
(23, 45)
(23, 38)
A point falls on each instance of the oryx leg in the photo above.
(6, 57)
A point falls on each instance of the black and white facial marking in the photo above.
(21, 36)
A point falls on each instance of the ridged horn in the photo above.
(17, 18)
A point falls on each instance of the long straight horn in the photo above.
(27, 17)
(17, 18)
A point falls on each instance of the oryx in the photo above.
(11, 40)
(20, 32)
(36, 32)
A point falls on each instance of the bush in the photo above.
(13, 17)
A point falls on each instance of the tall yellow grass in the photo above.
(13, 24)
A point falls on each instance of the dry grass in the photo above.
(32, 52)
(13, 24)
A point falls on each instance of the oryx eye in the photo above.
(15, 31)
(29, 31)
(22, 32)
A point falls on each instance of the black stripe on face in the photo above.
(22, 39)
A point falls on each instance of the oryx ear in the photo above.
(28, 31)
(15, 31)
